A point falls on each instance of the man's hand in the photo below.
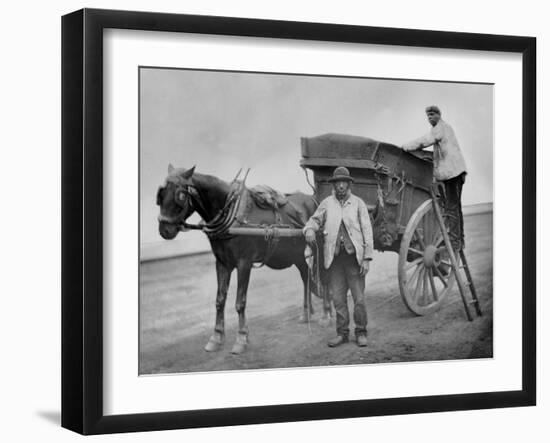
(364, 267)
(310, 236)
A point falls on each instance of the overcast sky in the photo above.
(222, 121)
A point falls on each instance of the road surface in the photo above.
(177, 316)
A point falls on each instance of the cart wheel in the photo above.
(424, 269)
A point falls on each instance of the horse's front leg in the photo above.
(243, 274)
(218, 337)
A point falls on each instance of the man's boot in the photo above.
(338, 340)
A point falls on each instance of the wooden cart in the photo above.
(398, 189)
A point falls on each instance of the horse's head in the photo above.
(175, 201)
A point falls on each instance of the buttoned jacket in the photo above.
(448, 159)
(353, 212)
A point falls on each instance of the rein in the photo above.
(219, 225)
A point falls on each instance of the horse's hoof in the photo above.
(238, 348)
(214, 344)
(240, 345)
(324, 322)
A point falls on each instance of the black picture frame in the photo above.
(82, 220)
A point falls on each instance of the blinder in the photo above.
(160, 195)
(181, 196)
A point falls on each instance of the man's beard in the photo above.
(341, 194)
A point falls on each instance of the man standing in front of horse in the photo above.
(449, 169)
(344, 220)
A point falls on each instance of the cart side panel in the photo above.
(362, 152)
(339, 146)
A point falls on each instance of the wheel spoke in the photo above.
(418, 284)
(420, 240)
(416, 251)
(415, 273)
(440, 275)
(429, 231)
(425, 288)
(438, 240)
(432, 284)
(415, 262)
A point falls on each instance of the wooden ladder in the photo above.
(457, 266)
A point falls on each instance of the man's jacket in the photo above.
(448, 159)
(327, 219)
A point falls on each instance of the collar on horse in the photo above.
(219, 225)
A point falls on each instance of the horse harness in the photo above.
(218, 227)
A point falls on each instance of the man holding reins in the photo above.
(344, 221)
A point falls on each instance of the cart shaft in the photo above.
(262, 232)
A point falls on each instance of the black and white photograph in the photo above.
(274, 221)
(293, 220)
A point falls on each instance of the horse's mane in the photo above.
(175, 177)
(264, 196)
(213, 193)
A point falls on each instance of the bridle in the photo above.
(184, 197)
(188, 196)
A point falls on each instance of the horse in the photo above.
(221, 204)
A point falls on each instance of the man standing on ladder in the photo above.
(344, 220)
(449, 169)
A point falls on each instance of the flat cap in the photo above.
(433, 108)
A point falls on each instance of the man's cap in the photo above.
(433, 108)
(341, 174)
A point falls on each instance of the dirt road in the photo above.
(177, 317)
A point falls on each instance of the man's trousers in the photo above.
(343, 275)
(453, 210)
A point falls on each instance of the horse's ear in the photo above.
(189, 173)
(170, 168)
